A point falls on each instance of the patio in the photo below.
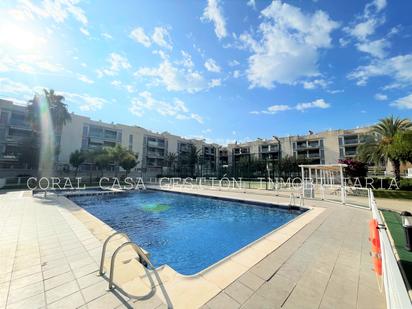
(49, 257)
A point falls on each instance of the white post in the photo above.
(342, 185)
(303, 180)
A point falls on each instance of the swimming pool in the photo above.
(187, 232)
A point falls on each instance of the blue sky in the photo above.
(214, 69)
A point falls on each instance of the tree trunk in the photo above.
(397, 169)
(75, 173)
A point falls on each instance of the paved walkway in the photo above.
(48, 258)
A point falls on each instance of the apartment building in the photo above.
(83, 133)
(14, 132)
(316, 148)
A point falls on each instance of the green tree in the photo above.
(102, 160)
(380, 147)
(59, 113)
(77, 158)
(402, 146)
(171, 160)
(116, 154)
(128, 162)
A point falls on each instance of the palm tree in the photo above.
(379, 148)
(76, 159)
(59, 113)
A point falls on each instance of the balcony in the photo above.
(313, 155)
(155, 144)
(152, 154)
(351, 141)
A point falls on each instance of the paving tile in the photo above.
(26, 280)
(19, 294)
(34, 302)
(239, 292)
(90, 279)
(58, 280)
(74, 300)
(223, 301)
(94, 291)
(108, 300)
(61, 291)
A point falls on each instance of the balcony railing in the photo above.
(156, 144)
(155, 155)
(351, 141)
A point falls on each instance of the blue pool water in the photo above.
(187, 232)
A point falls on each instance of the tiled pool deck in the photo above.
(49, 258)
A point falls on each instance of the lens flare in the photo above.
(47, 144)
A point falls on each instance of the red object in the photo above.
(376, 246)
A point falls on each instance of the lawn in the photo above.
(393, 221)
(393, 194)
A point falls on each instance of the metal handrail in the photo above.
(101, 272)
(138, 250)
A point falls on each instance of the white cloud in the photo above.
(84, 79)
(364, 29)
(34, 63)
(18, 91)
(234, 63)
(251, 3)
(140, 36)
(212, 66)
(177, 109)
(86, 102)
(381, 97)
(319, 103)
(375, 48)
(106, 35)
(403, 103)
(58, 10)
(274, 109)
(236, 74)
(365, 25)
(85, 31)
(215, 82)
(177, 76)
(213, 13)
(316, 83)
(288, 49)
(117, 63)
(398, 68)
(161, 37)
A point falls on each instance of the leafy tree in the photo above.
(77, 158)
(380, 148)
(170, 160)
(128, 162)
(116, 154)
(402, 146)
(355, 168)
(102, 160)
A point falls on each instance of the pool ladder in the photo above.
(292, 200)
(143, 259)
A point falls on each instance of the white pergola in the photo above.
(323, 174)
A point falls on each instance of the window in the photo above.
(131, 142)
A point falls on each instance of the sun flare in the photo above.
(18, 37)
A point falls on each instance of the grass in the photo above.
(393, 194)
(393, 222)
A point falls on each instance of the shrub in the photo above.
(406, 184)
